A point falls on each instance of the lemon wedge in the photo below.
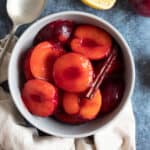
(99, 4)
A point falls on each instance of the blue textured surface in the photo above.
(136, 30)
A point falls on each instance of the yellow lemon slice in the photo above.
(99, 4)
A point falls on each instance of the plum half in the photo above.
(73, 72)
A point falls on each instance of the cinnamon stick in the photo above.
(102, 74)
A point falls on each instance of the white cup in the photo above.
(49, 125)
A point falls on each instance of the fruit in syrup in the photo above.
(40, 97)
(73, 72)
(57, 31)
(91, 41)
(42, 59)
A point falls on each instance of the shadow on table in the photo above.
(5, 22)
(143, 68)
(124, 5)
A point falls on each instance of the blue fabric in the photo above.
(136, 30)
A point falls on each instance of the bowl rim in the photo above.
(129, 94)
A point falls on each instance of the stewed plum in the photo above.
(57, 31)
(112, 91)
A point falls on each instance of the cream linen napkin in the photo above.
(13, 136)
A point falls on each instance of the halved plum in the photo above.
(73, 72)
(87, 109)
(42, 59)
(90, 108)
(57, 31)
(70, 103)
(40, 97)
(91, 41)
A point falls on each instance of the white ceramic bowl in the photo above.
(49, 125)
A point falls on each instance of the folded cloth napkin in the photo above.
(14, 135)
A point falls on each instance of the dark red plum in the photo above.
(57, 31)
(112, 92)
(141, 6)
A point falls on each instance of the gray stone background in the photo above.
(136, 30)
